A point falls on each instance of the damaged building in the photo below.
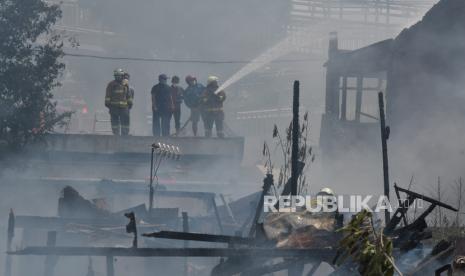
(421, 72)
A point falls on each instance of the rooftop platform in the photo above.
(126, 158)
(110, 144)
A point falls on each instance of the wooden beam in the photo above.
(174, 252)
(295, 140)
(358, 98)
(384, 137)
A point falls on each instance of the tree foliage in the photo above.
(30, 64)
(367, 247)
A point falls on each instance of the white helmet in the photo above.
(326, 191)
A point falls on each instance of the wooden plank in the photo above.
(174, 252)
(198, 237)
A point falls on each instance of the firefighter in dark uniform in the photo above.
(162, 107)
(212, 107)
(118, 100)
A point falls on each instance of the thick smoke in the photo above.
(426, 95)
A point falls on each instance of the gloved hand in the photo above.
(220, 96)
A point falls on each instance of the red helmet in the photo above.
(190, 78)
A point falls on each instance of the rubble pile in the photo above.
(73, 205)
(301, 229)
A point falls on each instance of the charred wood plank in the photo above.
(267, 183)
(198, 237)
(295, 140)
(420, 221)
(427, 199)
(175, 252)
(384, 138)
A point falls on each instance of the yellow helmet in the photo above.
(212, 79)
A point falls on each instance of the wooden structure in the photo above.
(353, 80)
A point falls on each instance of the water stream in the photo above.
(282, 48)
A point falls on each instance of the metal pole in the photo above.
(185, 228)
(50, 261)
(384, 137)
(10, 235)
(110, 267)
(295, 140)
(151, 182)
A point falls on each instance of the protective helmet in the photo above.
(162, 77)
(190, 78)
(212, 79)
(118, 72)
(175, 79)
(326, 191)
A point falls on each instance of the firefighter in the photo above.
(118, 100)
(320, 196)
(162, 107)
(177, 93)
(192, 95)
(325, 192)
(126, 79)
(212, 107)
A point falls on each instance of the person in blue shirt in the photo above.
(192, 98)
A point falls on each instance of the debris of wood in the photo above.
(301, 229)
(72, 205)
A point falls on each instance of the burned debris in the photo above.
(300, 238)
(274, 241)
(411, 234)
